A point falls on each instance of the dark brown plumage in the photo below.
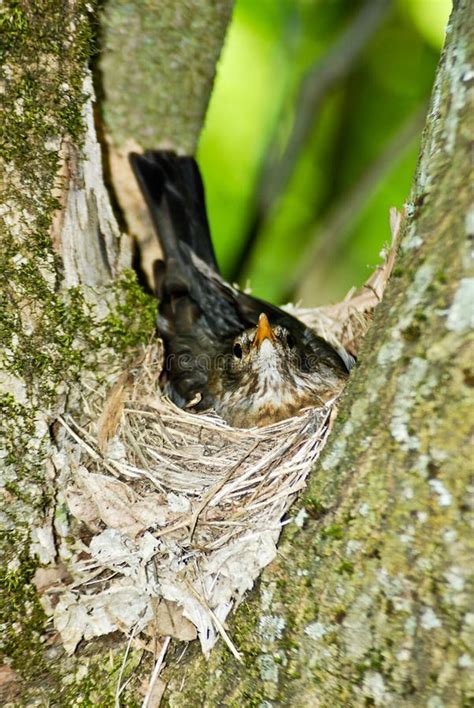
(248, 360)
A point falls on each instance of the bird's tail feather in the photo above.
(174, 193)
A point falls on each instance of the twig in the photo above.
(156, 671)
(121, 687)
(216, 488)
(110, 466)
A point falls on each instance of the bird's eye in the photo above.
(290, 341)
(237, 350)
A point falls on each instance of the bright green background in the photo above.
(270, 44)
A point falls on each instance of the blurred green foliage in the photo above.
(269, 48)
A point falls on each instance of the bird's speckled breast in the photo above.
(272, 397)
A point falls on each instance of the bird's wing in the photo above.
(240, 309)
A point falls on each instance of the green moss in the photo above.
(122, 329)
(49, 336)
(313, 507)
(335, 531)
(98, 686)
(21, 615)
(345, 567)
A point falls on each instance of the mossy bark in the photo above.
(71, 310)
(371, 601)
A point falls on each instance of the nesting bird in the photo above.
(249, 361)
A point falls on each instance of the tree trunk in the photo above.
(370, 603)
(70, 308)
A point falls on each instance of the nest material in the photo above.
(180, 506)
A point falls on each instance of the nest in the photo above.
(180, 511)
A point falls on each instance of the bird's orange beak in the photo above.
(264, 331)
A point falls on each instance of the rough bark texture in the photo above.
(371, 601)
(171, 49)
(70, 313)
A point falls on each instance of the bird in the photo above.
(248, 360)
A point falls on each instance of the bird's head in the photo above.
(270, 374)
(266, 355)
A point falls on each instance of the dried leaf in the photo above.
(97, 496)
(169, 621)
(43, 545)
(122, 606)
(46, 578)
(70, 620)
(154, 698)
(10, 683)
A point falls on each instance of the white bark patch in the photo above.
(338, 448)
(389, 352)
(415, 294)
(357, 633)
(455, 579)
(429, 620)
(13, 385)
(458, 68)
(316, 631)
(404, 402)
(466, 662)
(403, 655)
(268, 668)
(374, 687)
(270, 628)
(444, 496)
(410, 626)
(469, 220)
(266, 596)
(411, 240)
(461, 313)
(435, 702)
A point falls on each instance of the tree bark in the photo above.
(71, 308)
(370, 603)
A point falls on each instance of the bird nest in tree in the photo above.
(180, 512)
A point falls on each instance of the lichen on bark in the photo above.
(51, 335)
